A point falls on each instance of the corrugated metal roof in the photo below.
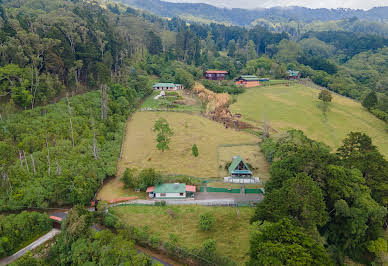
(236, 161)
(292, 73)
(170, 85)
(249, 78)
(191, 188)
(217, 72)
(170, 188)
(150, 189)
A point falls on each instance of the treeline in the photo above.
(50, 47)
(321, 205)
(18, 229)
(60, 154)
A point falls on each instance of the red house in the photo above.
(216, 74)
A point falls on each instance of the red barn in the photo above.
(216, 74)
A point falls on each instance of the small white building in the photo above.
(171, 191)
(167, 87)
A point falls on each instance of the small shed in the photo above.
(216, 74)
(171, 191)
(167, 86)
(238, 168)
(293, 74)
(247, 81)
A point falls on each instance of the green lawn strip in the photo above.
(231, 230)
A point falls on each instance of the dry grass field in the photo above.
(139, 149)
(297, 107)
(231, 231)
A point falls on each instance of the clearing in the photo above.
(139, 149)
(231, 231)
(297, 106)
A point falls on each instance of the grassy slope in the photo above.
(140, 144)
(230, 231)
(139, 150)
(297, 107)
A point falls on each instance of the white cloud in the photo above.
(248, 4)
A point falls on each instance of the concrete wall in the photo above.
(170, 195)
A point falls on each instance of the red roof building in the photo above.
(216, 74)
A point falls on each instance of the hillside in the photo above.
(243, 17)
(298, 107)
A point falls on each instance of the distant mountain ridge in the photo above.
(243, 17)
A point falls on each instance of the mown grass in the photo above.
(297, 106)
(230, 230)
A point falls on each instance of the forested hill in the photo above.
(244, 17)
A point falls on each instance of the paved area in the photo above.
(231, 196)
(33, 245)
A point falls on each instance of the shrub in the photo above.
(129, 178)
(148, 177)
(154, 241)
(206, 221)
(194, 150)
(163, 203)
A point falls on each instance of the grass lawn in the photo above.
(297, 107)
(139, 149)
(231, 231)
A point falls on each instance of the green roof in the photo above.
(292, 73)
(170, 85)
(170, 188)
(236, 161)
(249, 77)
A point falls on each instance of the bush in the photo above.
(148, 177)
(129, 178)
(194, 150)
(154, 241)
(206, 221)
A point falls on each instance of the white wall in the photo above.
(171, 195)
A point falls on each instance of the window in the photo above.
(181, 194)
(162, 194)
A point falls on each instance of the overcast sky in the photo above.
(355, 4)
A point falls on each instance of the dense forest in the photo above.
(71, 72)
(343, 206)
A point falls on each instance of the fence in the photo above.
(233, 190)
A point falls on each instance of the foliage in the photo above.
(164, 132)
(129, 178)
(78, 244)
(308, 210)
(325, 96)
(42, 164)
(283, 243)
(206, 221)
(370, 100)
(144, 179)
(17, 229)
(350, 183)
(194, 150)
(222, 87)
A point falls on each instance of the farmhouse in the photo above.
(247, 81)
(293, 74)
(216, 74)
(171, 191)
(167, 86)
